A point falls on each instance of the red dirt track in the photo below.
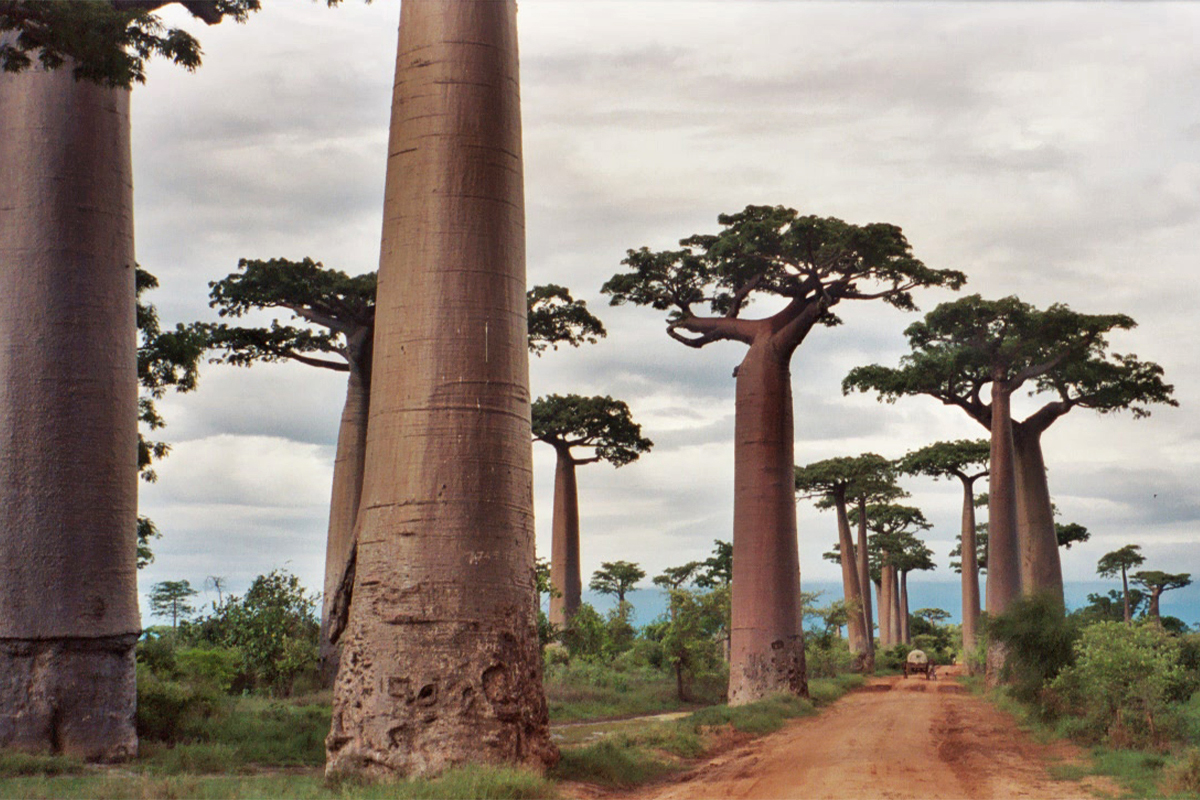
(895, 738)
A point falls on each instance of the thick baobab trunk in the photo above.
(767, 648)
(564, 544)
(905, 635)
(851, 590)
(68, 418)
(1152, 611)
(885, 630)
(897, 627)
(343, 510)
(1125, 594)
(440, 660)
(1004, 565)
(1041, 567)
(864, 582)
(970, 573)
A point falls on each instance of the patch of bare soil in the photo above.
(900, 738)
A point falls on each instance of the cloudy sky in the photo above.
(1048, 150)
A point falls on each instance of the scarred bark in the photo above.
(440, 661)
(348, 468)
(564, 546)
(767, 649)
(851, 590)
(68, 407)
(970, 571)
(1041, 566)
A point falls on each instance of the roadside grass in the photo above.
(1138, 773)
(630, 758)
(493, 783)
(588, 691)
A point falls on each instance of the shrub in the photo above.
(216, 667)
(586, 635)
(894, 657)
(1122, 680)
(166, 708)
(826, 657)
(1183, 777)
(1039, 639)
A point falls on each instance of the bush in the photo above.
(894, 657)
(826, 657)
(215, 667)
(1122, 681)
(166, 708)
(1039, 639)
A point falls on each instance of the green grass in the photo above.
(463, 782)
(16, 764)
(611, 762)
(587, 691)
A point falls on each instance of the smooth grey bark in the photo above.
(851, 589)
(68, 418)
(1004, 562)
(904, 631)
(864, 582)
(565, 573)
(440, 662)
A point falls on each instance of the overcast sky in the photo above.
(1048, 150)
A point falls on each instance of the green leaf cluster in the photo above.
(600, 423)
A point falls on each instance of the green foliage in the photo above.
(168, 709)
(826, 656)
(1119, 562)
(554, 317)
(170, 599)
(690, 642)
(15, 764)
(1110, 607)
(962, 458)
(1122, 681)
(764, 716)
(585, 635)
(717, 569)
(602, 424)
(275, 629)
(108, 43)
(773, 251)
(893, 658)
(616, 577)
(608, 763)
(1040, 642)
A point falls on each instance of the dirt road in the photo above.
(895, 738)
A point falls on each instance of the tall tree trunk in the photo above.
(1155, 593)
(68, 418)
(851, 590)
(767, 648)
(885, 630)
(1125, 594)
(1004, 565)
(864, 582)
(905, 635)
(440, 662)
(1041, 567)
(565, 573)
(897, 628)
(348, 467)
(970, 572)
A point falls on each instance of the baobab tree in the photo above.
(336, 316)
(441, 662)
(1157, 582)
(912, 556)
(830, 481)
(893, 529)
(806, 265)
(605, 431)
(1119, 562)
(969, 344)
(616, 578)
(967, 461)
(68, 479)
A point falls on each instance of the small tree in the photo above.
(604, 429)
(1120, 562)
(170, 599)
(690, 641)
(616, 578)
(1157, 582)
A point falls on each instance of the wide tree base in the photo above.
(452, 697)
(777, 670)
(997, 659)
(73, 697)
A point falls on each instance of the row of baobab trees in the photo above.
(439, 659)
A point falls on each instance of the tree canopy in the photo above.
(170, 599)
(600, 423)
(963, 345)
(554, 317)
(616, 577)
(962, 458)
(1120, 561)
(107, 41)
(810, 263)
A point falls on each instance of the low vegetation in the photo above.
(1129, 691)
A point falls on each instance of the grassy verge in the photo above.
(585, 691)
(653, 750)
(1138, 773)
